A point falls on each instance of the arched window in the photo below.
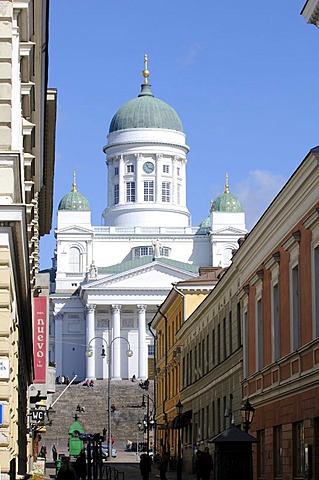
(74, 260)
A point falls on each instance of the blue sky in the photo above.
(243, 77)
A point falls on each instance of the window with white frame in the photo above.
(166, 192)
(146, 250)
(316, 285)
(116, 194)
(148, 191)
(129, 168)
(299, 449)
(74, 260)
(260, 334)
(276, 319)
(116, 170)
(178, 194)
(295, 287)
(165, 168)
(178, 170)
(278, 452)
(130, 191)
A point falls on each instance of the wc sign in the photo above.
(38, 415)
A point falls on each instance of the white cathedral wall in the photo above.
(221, 220)
(142, 136)
(190, 249)
(78, 218)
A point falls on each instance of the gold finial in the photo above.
(226, 184)
(74, 183)
(145, 72)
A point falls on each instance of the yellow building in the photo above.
(180, 303)
(27, 137)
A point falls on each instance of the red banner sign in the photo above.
(40, 339)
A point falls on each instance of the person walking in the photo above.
(207, 464)
(145, 466)
(80, 466)
(43, 452)
(66, 471)
(54, 453)
(163, 466)
(198, 465)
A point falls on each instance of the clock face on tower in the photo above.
(148, 167)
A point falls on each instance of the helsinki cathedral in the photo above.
(111, 279)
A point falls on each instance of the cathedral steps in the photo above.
(125, 394)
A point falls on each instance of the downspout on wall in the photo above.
(166, 362)
(184, 300)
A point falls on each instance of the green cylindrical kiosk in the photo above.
(75, 443)
(58, 464)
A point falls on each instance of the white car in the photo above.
(105, 450)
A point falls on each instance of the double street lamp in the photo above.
(89, 353)
(148, 422)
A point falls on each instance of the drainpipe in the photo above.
(154, 394)
(184, 302)
(166, 363)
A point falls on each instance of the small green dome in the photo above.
(205, 223)
(226, 202)
(146, 111)
(204, 227)
(74, 201)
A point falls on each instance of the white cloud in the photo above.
(189, 56)
(256, 193)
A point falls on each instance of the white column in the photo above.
(121, 180)
(142, 347)
(159, 173)
(90, 333)
(139, 183)
(116, 358)
(58, 357)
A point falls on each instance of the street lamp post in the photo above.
(179, 409)
(89, 353)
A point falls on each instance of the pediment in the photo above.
(75, 229)
(229, 231)
(153, 275)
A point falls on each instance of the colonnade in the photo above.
(118, 345)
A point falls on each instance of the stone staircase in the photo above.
(125, 394)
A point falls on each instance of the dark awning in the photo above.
(233, 434)
(184, 421)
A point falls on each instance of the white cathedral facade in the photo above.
(110, 279)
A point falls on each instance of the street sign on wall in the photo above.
(40, 339)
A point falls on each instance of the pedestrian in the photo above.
(66, 471)
(163, 465)
(207, 464)
(91, 383)
(54, 453)
(145, 466)
(198, 465)
(43, 452)
(80, 467)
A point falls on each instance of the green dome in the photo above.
(226, 202)
(205, 223)
(74, 201)
(146, 111)
(204, 227)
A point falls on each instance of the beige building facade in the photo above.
(255, 336)
(27, 136)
